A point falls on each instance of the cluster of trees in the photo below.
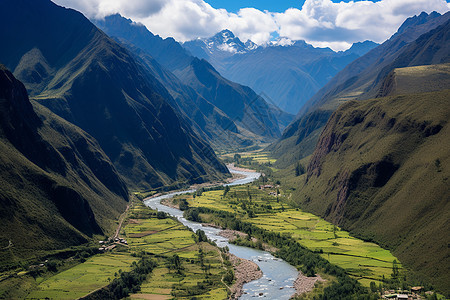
(126, 283)
(183, 204)
(180, 291)
(299, 169)
(192, 214)
(174, 263)
(248, 243)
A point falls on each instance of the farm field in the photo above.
(364, 261)
(164, 238)
(260, 157)
(83, 278)
(160, 238)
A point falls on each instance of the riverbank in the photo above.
(244, 271)
(304, 284)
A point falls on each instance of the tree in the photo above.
(259, 245)
(226, 190)
(228, 277)
(175, 263)
(201, 236)
(237, 158)
(395, 271)
(192, 214)
(299, 169)
(161, 215)
(183, 205)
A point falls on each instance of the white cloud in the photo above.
(319, 22)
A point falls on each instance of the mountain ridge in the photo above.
(287, 73)
(98, 86)
(359, 80)
(58, 186)
(181, 64)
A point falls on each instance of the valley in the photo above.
(231, 161)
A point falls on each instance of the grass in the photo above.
(161, 238)
(167, 237)
(83, 278)
(247, 158)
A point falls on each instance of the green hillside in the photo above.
(381, 170)
(421, 40)
(58, 188)
(78, 72)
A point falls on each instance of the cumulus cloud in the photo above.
(322, 23)
(338, 25)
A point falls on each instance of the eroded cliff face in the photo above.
(380, 169)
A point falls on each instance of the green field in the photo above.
(256, 157)
(363, 260)
(161, 238)
(83, 278)
(167, 237)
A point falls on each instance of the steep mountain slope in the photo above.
(362, 79)
(288, 74)
(81, 74)
(57, 186)
(170, 55)
(208, 121)
(353, 82)
(381, 169)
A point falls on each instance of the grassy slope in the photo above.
(415, 44)
(54, 180)
(381, 170)
(79, 73)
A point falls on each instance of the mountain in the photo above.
(417, 44)
(58, 188)
(79, 73)
(222, 45)
(288, 74)
(204, 83)
(361, 48)
(355, 80)
(380, 169)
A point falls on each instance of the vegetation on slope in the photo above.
(420, 40)
(82, 75)
(54, 178)
(380, 170)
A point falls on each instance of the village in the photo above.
(416, 293)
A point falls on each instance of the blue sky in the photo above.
(323, 23)
(270, 5)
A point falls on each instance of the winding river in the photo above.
(278, 276)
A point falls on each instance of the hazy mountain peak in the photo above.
(361, 48)
(250, 45)
(417, 20)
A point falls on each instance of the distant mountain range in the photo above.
(286, 74)
(223, 112)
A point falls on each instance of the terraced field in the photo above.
(363, 260)
(201, 272)
(165, 238)
(84, 278)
